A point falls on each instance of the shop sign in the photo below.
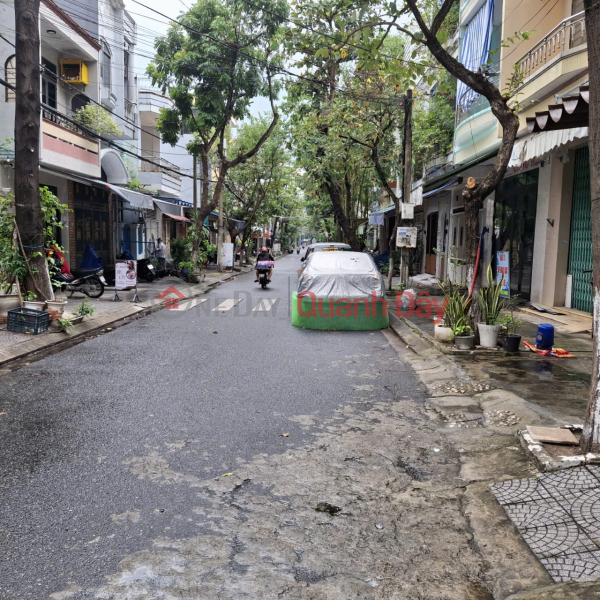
(503, 272)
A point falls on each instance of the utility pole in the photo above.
(407, 177)
(220, 238)
(195, 168)
(28, 209)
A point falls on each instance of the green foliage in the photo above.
(85, 309)
(461, 330)
(97, 119)
(181, 250)
(205, 248)
(489, 300)
(213, 73)
(30, 296)
(433, 125)
(66, 325)
(187, 265)
(12, 263)
(457, 305)
(135, 185)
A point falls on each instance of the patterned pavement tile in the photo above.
(536, 513)
(585, 511)
(594, 470)
(519, 490)
(558, 539)
(581, 567)
(568, 481)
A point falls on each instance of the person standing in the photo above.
(161, 256)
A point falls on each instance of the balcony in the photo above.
(150, 102)
(558, 58)
(67, 147)
(160, 175)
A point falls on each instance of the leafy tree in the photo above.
(213, 63)
(97, 119)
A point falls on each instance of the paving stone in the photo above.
(536, 513)
(552, 435)
(518, 491)
(585, 510)
(560, 538)
(582, 567)
(568, 481)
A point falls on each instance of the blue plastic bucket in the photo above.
(544, 340)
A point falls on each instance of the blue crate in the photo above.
(27, 320)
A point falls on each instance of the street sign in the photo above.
(125, 274)
(503, 272)
(406, 237)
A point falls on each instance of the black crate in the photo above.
(27, 320)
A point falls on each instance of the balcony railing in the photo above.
(569, 33)
(53, 117)
(161, 165)
(480, 103)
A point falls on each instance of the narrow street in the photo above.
(161, 466)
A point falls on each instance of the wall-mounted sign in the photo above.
(408, 211)
(227, 255)
(406, 237)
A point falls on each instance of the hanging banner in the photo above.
(503, 272)
(125, 274)
(227, 255)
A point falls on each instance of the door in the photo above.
(91, 223)
(514, 228)
(457, 270)
(580, 249)
(431, 243)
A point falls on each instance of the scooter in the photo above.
(297, 250)
(263, 279)
(146, 270)
(89, 282)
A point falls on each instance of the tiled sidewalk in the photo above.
(558, 515)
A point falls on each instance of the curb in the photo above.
(53, 340)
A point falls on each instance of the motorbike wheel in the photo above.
(93, 288)
(149, 278)
(263, 283)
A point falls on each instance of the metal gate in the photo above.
(580, 251)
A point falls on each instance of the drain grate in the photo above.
(558, 515)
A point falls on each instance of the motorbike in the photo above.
(146, 270)
(297, 250)
(263, 278)
(90, 282)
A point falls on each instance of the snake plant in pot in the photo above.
(490, 305)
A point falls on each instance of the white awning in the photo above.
(168, 208)
(538, 145)
(136, 199)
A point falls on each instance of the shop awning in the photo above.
(167, 208)
(453, 181)
(540, 144)
(572, 112)
(177, 218)
(136, 199)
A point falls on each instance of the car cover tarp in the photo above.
(341, 275)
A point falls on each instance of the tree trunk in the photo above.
(28, 209)
(590, 441)
(407, 174)
(335, 193)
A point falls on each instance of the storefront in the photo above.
(92, 222)
(514, 227)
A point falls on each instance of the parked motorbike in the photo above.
(90, 282)
(146, 270)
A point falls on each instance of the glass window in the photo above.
(10, 72)
(105, 66)
(49, 83)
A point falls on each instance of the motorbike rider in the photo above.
(263, 255)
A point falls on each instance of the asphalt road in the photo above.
(196, 392)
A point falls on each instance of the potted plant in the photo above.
(456, 309)
(490, 305)
(463, 336)
(85, 309)
(512, 339)
(30, 301)
(8, 301)
(57, 306)
(187, 267)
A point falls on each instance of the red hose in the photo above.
(475, 270)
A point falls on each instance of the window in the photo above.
(49, 83)
(78, 102)
(105, 66)
(126, 74)
(10, 72)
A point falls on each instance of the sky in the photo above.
(150, 25)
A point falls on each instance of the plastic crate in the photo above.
(27, 320)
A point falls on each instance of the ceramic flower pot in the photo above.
(465, 342)
(8, 302)
(34, 304)
(488, 335)
(511, 342)
(56, 307)
(443, 333)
